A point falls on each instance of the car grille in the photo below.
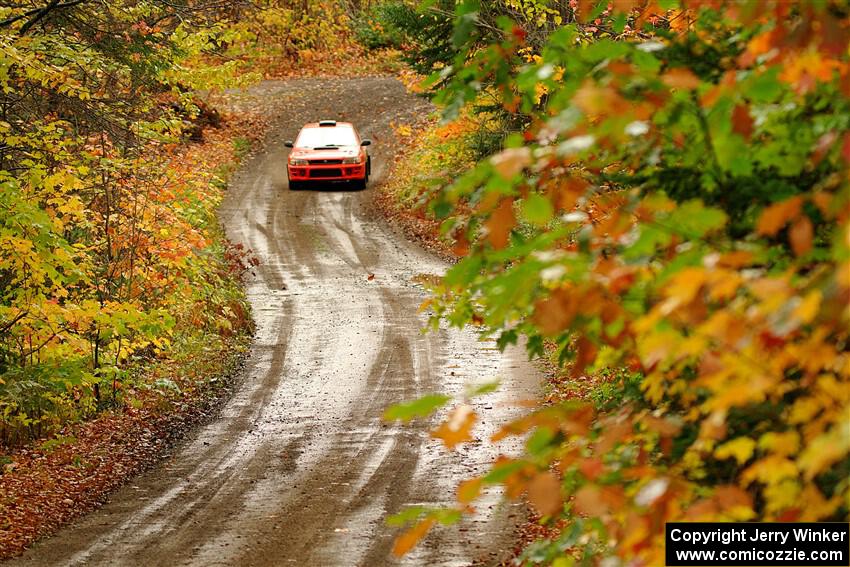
(326, 172)
(325, 161)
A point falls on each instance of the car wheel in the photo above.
(368, 167)
(294, 185)
(359, 184)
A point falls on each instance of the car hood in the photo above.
(340, 153)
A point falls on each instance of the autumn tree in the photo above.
(671, 223)
(98, 246)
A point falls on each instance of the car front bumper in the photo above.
(335, 172)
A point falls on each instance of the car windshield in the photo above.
(323, 137)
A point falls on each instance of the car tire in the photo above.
(368, 168)
(294, 185)
(359, 184)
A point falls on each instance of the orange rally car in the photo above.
(328, 151)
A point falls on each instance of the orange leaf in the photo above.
(614, 432)
(777, 215)
(742, 122)
(586, 354)
(624, 6)
(735, 259)
(511, 161)
(468, 490)
(823, 200)
(461, 245)
(801, 235)
(685, 285)
(411, 537)
(594, 100)
(665, 427)
(680, 78)
(500, 223)
(458, 427)
(592, 468)
(544, 493)
(730, 496)
(760, 44)
(555, 313)
(565, 194)
(593, 501)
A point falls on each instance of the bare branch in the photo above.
(38, 13)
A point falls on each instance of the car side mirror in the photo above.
(366, 143)
(288, 143)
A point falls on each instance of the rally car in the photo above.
(328, 151)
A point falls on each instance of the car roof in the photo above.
(337, 125)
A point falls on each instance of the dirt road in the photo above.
(299, 469)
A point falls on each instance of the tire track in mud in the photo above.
(299, 469)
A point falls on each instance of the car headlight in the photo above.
(351, 160)
(296, 161)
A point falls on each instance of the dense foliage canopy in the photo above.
(671, 218)
(110, 254)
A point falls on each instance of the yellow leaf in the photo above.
(770, 470)
(741, 448)
(807, 310)
(817, 507)
(782, 495)
(685, 285)
(803, 410)
(826, 449)
(785, 443)
(724, 284)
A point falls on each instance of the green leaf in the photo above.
(540, 440)
(485, 388)
(537, 209)
(763, 87)
(462, 273)
(693, 219)
(446, 516)
(650, 238)
(406, 516)
(422, 407)
(500, 472)
(619, 22)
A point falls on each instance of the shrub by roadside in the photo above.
(70, 471)
(431, 156)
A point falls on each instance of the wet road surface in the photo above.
(299, 469)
